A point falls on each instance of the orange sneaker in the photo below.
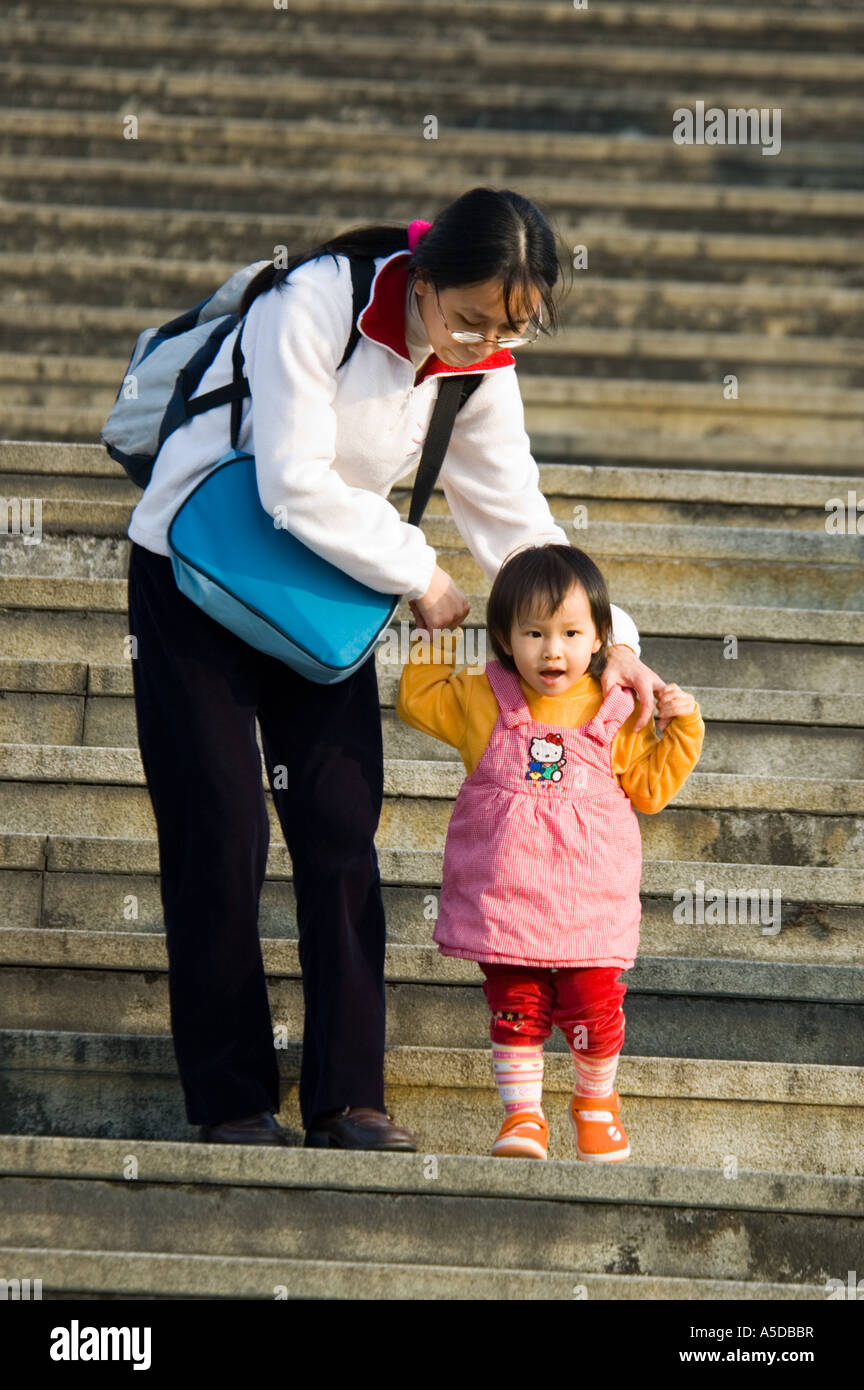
(599, 1136)
(523, 1135)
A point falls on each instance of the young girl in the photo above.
(543, 857)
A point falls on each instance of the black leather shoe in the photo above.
(359, 1127)
(253, 1129)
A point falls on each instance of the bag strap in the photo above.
(452, 395)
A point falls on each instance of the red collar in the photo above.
(383, 320)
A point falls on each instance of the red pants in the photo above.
(533, 999)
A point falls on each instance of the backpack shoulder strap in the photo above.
(362, 275)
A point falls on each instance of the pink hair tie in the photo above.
(417, 229)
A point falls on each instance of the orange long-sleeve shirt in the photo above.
(461, 709)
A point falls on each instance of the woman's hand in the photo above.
(623, 667)
(442, 605)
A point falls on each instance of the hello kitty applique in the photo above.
(545, 759)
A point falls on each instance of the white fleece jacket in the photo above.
(329, 445)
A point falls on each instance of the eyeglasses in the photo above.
(465, 337)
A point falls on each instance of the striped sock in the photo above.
(518, 1071)
(595, 1076)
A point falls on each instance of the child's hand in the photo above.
(672, 700)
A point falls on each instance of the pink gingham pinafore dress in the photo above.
(543, 858)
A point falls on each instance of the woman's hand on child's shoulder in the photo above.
(672, 700)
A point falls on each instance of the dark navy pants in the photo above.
(198, 692)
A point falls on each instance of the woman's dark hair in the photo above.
(485, 234)
(538, 580)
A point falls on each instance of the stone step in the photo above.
(764, 747)
(723, 817)
(664, 421)
(232, 238)
(680, 412)
(785, 449)
(361, 194)
(799, 664)
(551, 402)
(468, 155)
(78, 852)
(92, 505)
(54, 461)
(786, 453)
(117, 982)
(813, 17)
(788, 450)
(102, 680)
(53, 598)
(826, 25)
(94, 134)
(77, 556)
(614, 105)
(742, 726)
(624, 353)
(84, 473)
(33, 378)
(415, 784)
(539, 56)
(742, 731)
(662, 496)
(566, 1221)
(112, 1274)
(748, 491)
(765, 567)
(383, 11)
(158, 288)
(130, 948)
(85, 887)
(772, 1117)
(76, 702)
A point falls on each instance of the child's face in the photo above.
(563, 643)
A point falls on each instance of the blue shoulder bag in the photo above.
(264, 584)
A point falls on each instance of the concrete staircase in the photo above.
(742, 1079)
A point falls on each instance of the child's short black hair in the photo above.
(539, 579)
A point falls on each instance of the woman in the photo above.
(329, 443)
